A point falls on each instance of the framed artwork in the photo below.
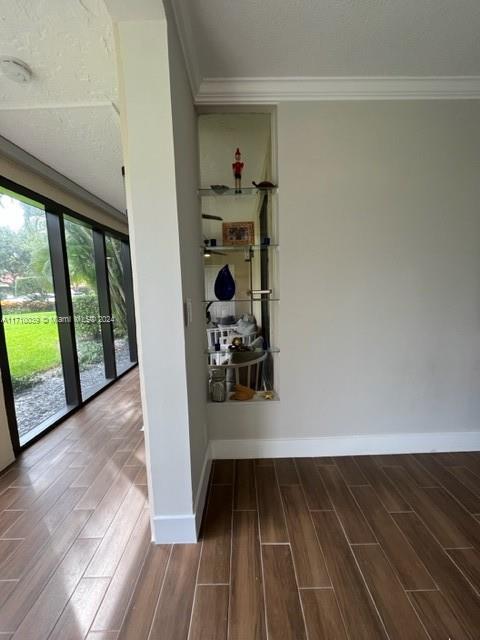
(236, 233)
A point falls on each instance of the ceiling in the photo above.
(65, 115)
(282, 38)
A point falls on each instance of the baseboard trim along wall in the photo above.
(185, 527)
(174, 529)
(201, 497)
(346, 445)
(6, 463)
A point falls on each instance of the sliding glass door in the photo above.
(66, 305)
(28, 312)
(118, 260)
(86, 311)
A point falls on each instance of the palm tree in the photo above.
(81, 266)
(117, 291)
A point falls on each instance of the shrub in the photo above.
(28, 306)
(85, 308)
(39, 305)
(12, 306)
(90, 352)
(22, 383)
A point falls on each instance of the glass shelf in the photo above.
(212, 352)
(245, 192)
(258, 397)
(240, 247)
(244, 300)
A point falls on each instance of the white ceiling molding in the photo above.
(217, 91)
(11, 151)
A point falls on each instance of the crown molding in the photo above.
(274, 90)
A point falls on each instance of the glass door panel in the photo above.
(29, 314)
(86, 311)
(118, 302)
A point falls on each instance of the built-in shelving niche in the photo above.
(252, 314)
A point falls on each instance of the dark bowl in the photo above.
(219, 188)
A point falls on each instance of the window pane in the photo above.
(83, 285)
(117, 297)
(28, 308)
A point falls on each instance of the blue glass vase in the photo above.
(224, 284)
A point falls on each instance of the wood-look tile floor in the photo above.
(358, 548)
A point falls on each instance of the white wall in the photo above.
(191, 255)
(379, 279)
(6, 451)
(161, 177)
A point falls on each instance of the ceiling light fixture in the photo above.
(14, 69)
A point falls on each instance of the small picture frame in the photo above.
(238, 233)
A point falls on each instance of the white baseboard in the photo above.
(184, 528)
(7, 462)
(174, 529)
(346, 445)
(201, 497)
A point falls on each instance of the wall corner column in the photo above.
(148, 148)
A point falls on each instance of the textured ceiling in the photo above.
(64, 116)
(85, 148)
(280, 38)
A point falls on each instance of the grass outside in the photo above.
(32, 343)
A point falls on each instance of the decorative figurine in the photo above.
(242, 393)
(220, 189)
(237, 167)
(238, 346)
(224, 286)
(268, 395)
(265, 185)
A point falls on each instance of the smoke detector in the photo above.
(14, 69)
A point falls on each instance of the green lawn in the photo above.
(32, 348)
